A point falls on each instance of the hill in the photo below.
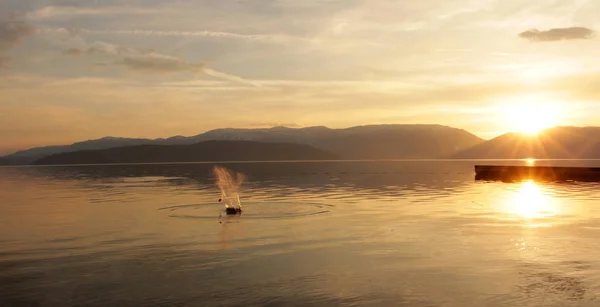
(397, 142)
(204, 151)
(555, 143)
(30, 155)
(362, 142)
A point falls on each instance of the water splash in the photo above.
(230, 184)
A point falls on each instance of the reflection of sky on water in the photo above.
(422, 234)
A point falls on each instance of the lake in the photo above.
(388, 233)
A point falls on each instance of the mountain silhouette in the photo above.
(30, 155)
(361, 142)
(203, 151)
(555, 143)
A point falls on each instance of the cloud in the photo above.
(557, 34)
(222, 75)
(152, 62)
(156, 63)
(266, 38)
(145, 61)
(12, 31)
(56, 12)
(73, 51)
(111, 49)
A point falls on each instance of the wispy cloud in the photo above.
(273, 38)
(557, 34)
(308, 61)
(12, 31)
(156, 63)
(222, 75)
(111, 49)
(150, 61)
(73, 51)
(54, 12)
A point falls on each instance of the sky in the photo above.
(72, 70)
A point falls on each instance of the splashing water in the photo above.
(230, 184)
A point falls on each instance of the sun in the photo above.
(531, 119)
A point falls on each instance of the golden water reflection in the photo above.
(532, 201)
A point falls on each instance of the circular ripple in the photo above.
(252, 210)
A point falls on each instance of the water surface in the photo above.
(395, 233)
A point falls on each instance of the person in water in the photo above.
(231, 208)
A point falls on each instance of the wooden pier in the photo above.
(544, 173)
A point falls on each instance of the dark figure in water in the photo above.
(232, 210)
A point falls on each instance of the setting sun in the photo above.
(336, 152)
(531, 118)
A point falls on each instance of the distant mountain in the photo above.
(15, 161)
(555, 143)
(204, 151)
(30, 155)
(397, 142)
(362, 142)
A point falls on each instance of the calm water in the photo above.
(313, 234)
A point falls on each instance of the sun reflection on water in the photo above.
(531, 202)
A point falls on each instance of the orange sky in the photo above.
(72, 71)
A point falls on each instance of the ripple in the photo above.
(252, 210)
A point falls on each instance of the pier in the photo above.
(544, 173)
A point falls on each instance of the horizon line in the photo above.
(280, 126)
(297, 161)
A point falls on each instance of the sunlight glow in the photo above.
(532, 119)
(530, 116)
(540, 71)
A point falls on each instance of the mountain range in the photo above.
(554, 143)
(203, 151)
(361, 142)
